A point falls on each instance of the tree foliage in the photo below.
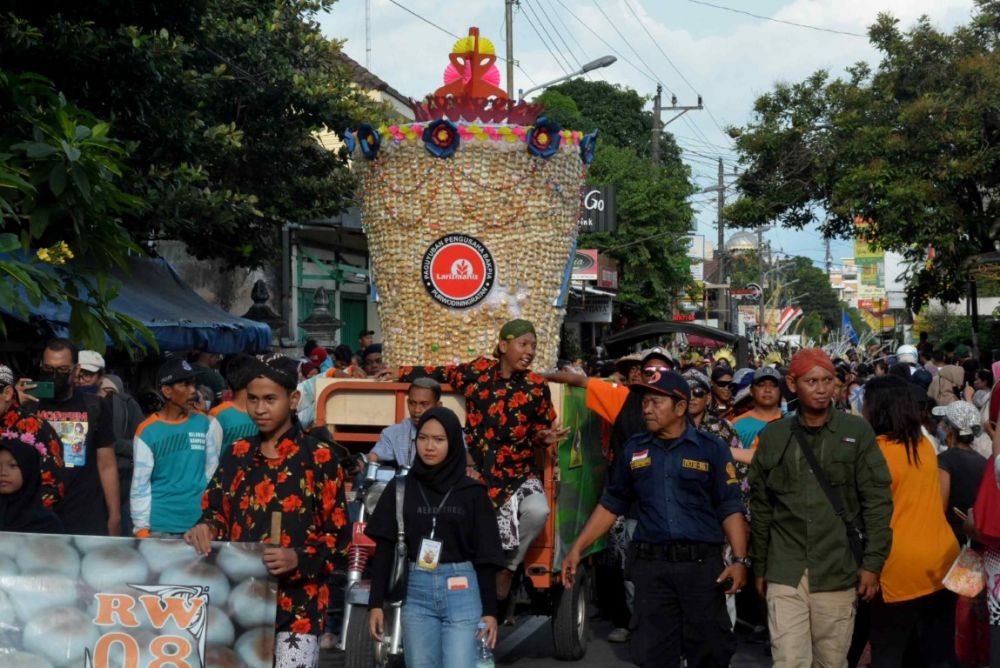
(654, 215)
(217, 101)
(912, 146)
(60, 198)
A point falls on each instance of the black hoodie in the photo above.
(466, 523)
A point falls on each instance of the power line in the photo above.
(567, 31)
(558, 33)
(628, 44)
(535, 25)
(604, 41)
(448, 32)
(769, 18)
(670, 62)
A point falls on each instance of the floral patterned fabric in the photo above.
(504, 419)
(715, 426)
(30, 429)
(306, 485)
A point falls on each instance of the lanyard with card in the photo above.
(430, 549)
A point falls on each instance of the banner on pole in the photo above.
(99, 602)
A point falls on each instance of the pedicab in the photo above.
(355, 411)
(471, 212)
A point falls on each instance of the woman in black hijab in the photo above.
(21, 506)
(453, 546)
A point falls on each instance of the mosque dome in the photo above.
(742, 241)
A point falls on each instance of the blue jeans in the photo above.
(439, 624)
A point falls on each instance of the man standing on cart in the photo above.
(509, 415)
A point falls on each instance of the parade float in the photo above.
(470, 213)
(471, 216)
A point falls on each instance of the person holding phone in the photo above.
(91, 504)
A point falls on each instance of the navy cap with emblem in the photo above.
(175, 371)
(668, 383)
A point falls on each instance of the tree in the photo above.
(912, 147)
(60, 198)
(654, 216)
(217, 101)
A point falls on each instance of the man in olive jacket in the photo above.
(799, 546)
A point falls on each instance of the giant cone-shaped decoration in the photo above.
(471, 216)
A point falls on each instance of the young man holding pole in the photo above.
(284, 488)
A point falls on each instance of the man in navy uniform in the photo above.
(688, 497)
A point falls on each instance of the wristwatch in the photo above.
(742, 560)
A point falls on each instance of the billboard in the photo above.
(696, 254)
(869, 259)
(99, 602)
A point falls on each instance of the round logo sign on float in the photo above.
(458, 271)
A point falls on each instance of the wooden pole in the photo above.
(276, 528)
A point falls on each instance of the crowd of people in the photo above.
(820, 501)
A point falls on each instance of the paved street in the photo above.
(529, 645)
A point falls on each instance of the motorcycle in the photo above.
(360, 650)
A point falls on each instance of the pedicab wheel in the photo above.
(360, 652)
(571, 619)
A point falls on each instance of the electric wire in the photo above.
(670, 62)
(448, 32)
(604, 41)
(538, 29)
(769, 18)
(558, 33)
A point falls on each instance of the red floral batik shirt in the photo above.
(504, 419)
(32, 430)
(306, 485)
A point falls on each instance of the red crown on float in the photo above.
(471, 90)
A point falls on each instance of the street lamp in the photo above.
(603, 61)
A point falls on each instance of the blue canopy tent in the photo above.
(179, 319)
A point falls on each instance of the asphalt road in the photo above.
(529, 645)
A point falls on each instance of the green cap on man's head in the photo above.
(515, 328)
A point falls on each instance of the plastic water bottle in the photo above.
(484, 655)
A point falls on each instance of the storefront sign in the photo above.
(597, 209)
(97, 602)
(608, 269)
(585, 265)
(458, 271)
(593, 308)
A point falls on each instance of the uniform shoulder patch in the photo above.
(640, 459)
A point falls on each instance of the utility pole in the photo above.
(509, 21)
(721, 195)
(829, 259)
(760, 269)
(368, 35)
(657, 128)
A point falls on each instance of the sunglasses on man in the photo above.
(699, 392)
(650, 370)
(722, 383)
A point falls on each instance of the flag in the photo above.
(848, 328)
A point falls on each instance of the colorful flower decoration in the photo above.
(370, 141)
(587, 147)
(349, 141)
(27, 439)
(544, 138)
(441, 138)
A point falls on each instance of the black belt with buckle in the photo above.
(676, 551)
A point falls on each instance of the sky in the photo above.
(691, 48)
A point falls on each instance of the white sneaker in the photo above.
(618, 635)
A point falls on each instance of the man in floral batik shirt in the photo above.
(509, 414)
(14, 423)
(281, 470)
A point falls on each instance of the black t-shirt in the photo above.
(466, 526)
(82, 509)
(966, 470)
